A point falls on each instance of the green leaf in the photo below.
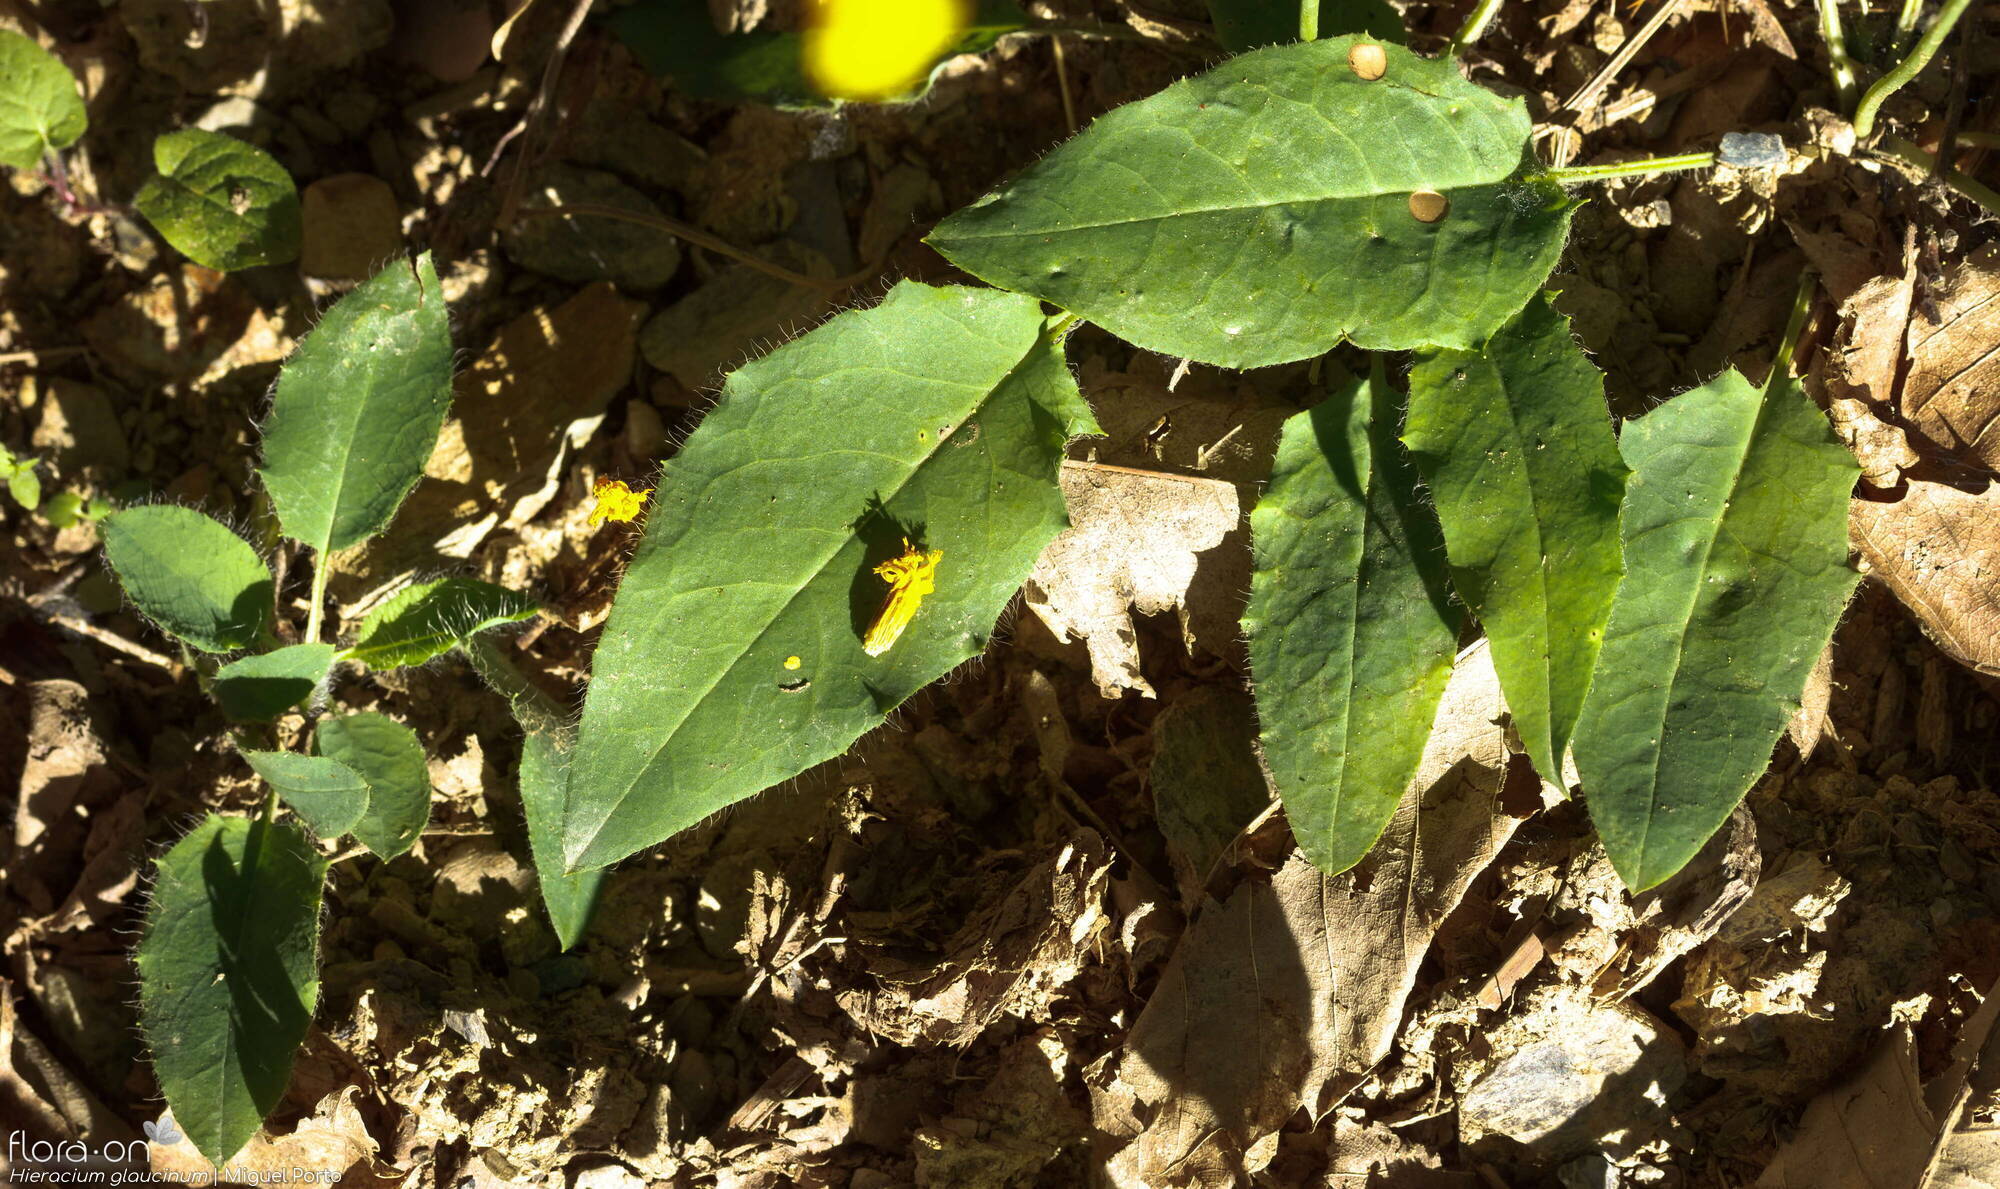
(569, 898)
(40, 110)
(1247, 24)
(1262, 212)
(358, 408)
(26, 487)
(427, 619)
(939, 416)
(1735, 539)
(387, 755)
(1351, 629)
(328, 794)
(190, 575)
(228, 974)
(1517, 448)
(260, 688)
(63, 509)
(222, 202)
(678, 40)
(546, 745)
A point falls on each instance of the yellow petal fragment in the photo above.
(616, 501)
(878, 49)
(910, 577)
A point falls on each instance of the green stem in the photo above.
(1906, 25)
(533, 707)
(1308, 19)
(1836, 50)
(1781, 364)
(1572, 174)
(1965, 184)
(1474, 28)
(1908, 68)
(316, 613)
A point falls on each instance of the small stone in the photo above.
(79, 428)
(607, 1176)
(1752, 150)
(581, 249)
(1569, 1073)
(645, 431)
(352, 227)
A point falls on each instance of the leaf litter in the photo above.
(916, 966)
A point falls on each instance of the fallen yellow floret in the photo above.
(616, 501)
(878, 49)
(910, 577)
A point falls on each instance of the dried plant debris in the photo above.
(1285, 993)
(1951, 393)
(1938, 548)
(1139, 543)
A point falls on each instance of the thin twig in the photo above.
(114, 641)
(510, 199)
(1908, 68)
(1062, 84)
(1587, 93)
(42, 355)
(700, 238)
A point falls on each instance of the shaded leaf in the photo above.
(1736, 572)
(1351, 630)
(546, 745)
(1516, 446)
(733, 657)
(328, 794)
(40, 110)
(428, 619)
(1264, 211)
(1289, 991)
(569, 898)
(260, 688)
(190, 575)
(1247, 24)
(223, 202)
(386, 755)
(358, 407)
(228, 974)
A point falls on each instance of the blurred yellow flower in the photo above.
(616, 501)
(878, 49)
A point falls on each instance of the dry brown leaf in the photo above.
(1809, 723)
(1882, 449)
(1286, 993)
(1132, 547)
(1012, 957)
(327, 1145)
(1952, 392)
(1938, 549)
(1869, 354)
(1871, 1132)
(1885, 1128)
